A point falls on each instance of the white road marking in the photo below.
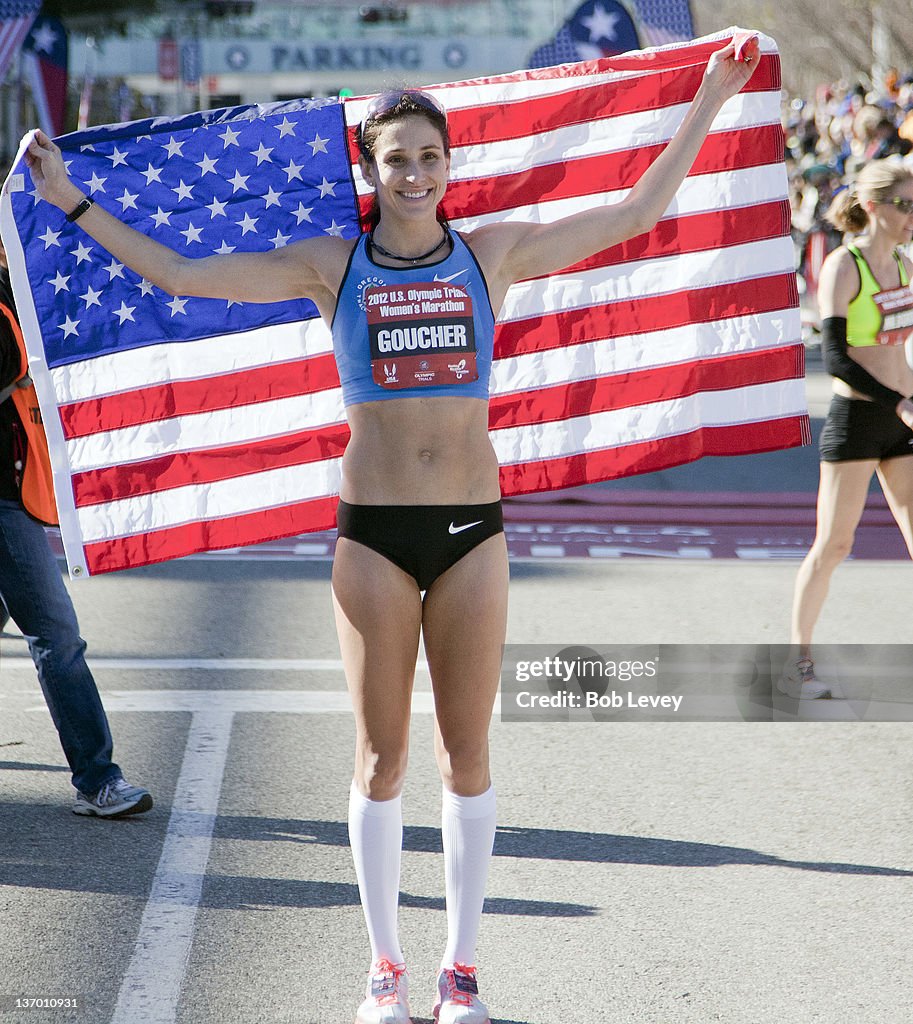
(151, 988)
(204, 664)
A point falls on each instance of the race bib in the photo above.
(421, 335)
(896, 309)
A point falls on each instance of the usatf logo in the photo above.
(390, 372)
(364, 285)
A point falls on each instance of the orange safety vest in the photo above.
(36, 485)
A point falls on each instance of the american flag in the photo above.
(180, 424)
(664, 21)
(16, 17)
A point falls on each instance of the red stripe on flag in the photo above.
(99, 486)
(208, 394)
(235, 531)
(505, 121)
(643, 387)
(651, 456)
(642, 316)
(698, 232)
(588, 175)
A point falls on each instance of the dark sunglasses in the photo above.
(387, 101)
(904, 205)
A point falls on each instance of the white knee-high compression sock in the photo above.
(468, 831)
(376, 838)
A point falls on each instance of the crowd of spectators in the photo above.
(829, 138)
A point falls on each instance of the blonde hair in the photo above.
(877, 181)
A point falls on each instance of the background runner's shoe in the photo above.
(386, 995)
(458, 997)
(799, 681)
(115, 799)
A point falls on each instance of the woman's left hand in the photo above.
(730, 68)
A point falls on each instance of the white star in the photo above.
(230, 138)
(86, 149)
(247, 224)
(280, 240)
(50, 238)
(125, 313)
(303, 213)
(233, 302)
(152, 174)
(91, 297)
(239, 181)
(145, 287)
(115, 269)
(128, 199)
(335, 229)
(318, 145)
(272, 197)
(293, 170)
(96, 184)
(191, 233)
(177, 306)
(286, 128)
(69, 327)
(326, 188)
(35, 196)
(174, 148)
(81, 252)
(140, 138)
(44, 37)
(216, 209)
(60, 282)
(161, 217)
(224, 249)
(183, 191)
(262, 154)
(601, 24)
(117, 157)
(207, 165)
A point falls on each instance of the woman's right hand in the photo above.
(905, 411)
(49, 173)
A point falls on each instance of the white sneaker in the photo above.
(115, 799)
(800, 682)
(386, 995)
(458, 997)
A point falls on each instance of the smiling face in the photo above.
(408, 169)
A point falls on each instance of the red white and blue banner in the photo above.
(16, 17)
(46, 55)
(180, 424)
(603, 28)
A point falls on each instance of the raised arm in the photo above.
(308, 268)
(519, 251)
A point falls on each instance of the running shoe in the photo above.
(115, 799)
(458, 997)
(800, 682)
(386, 995)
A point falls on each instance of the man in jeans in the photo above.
(33, 593)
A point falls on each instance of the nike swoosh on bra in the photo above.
(460, 529)
(450, 277)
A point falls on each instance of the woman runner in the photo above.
(421, 550)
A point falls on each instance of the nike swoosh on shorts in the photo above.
(460, 529)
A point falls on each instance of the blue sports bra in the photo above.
(413, 331)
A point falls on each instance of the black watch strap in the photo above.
(80, 209)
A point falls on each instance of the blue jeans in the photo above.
(37, 600)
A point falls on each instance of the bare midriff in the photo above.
(420, 451)
(886, 363)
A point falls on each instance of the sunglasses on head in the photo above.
(904, 205)
(387, 101)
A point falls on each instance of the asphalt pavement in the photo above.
(648, 869)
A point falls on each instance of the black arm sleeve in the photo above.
(838, 363)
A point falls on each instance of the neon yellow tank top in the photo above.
(864, 319)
